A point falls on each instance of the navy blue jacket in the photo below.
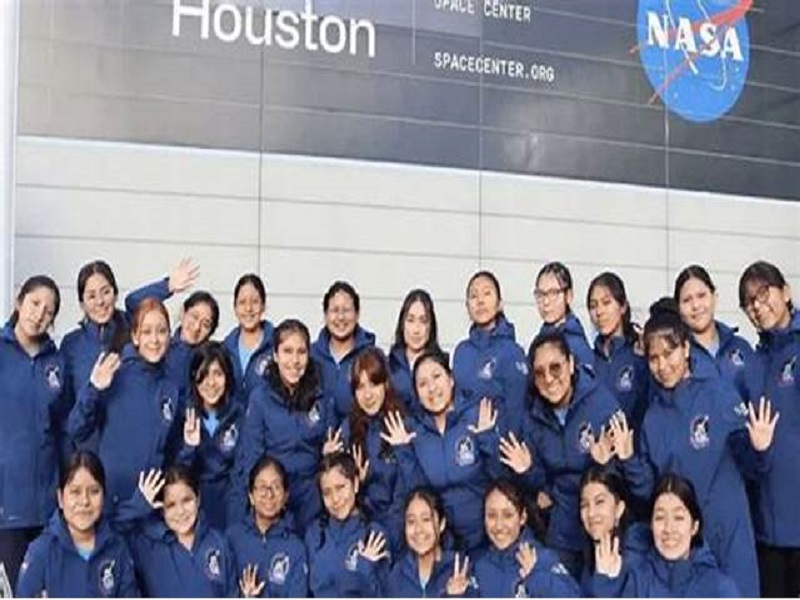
(279, 554)
(624, 371)
(178, 361)
(134, 425)
(698, 431)
(458, 464)
(732, 357)
(33, 407)
(497, 573)
(248, 380)
(294, 438)
(775, 373)
(576, 338)
(491, 364)
(336, 376)
(404, 579)
(53, 566)
(654, 577)
(403, 380)
(561, 454)
(336, 569)
(635, 545)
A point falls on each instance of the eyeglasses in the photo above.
(273, 489)
(341, 312)
(554, 369)
(761, 294)
(550, 295)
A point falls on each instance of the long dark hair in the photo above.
(82, 459)
(31, 285)
(122, 332)
(202, 358)
(347, 465)
(425, 299)
(429, 496)
(665, 322)
(264, 463)
(557, 338)
(255, 281)
(765, 272)
(615, 484)
(495, 284)
(672, 483)
(304, 396)
(616, 287)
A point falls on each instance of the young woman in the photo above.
(175, 552)
(338, 343)
(199, 321)
(515, 564)
(452, 447)
(696, 296)
(490, 363)
(697, 426)
(270, 557)
(553, 294)
(249, 344)
(679, 565)
(426, 569)
(766, 298)
(383, 488)
(289, 419)
(130, 411)
(416, 332)
(78, 555)
(217, 438)
(619, 362)
(104, 328)
(348, 556)
(33, 409)
(569, 411)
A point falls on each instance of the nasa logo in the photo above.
(465, 452)
(699, 432)
(696, 54)
(107, 579)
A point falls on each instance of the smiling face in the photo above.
(552, 299)
(697, 304)
(338, 493)
(600, 510)
(36, 312)
(423, 527)
(181, 505)
(552, 375)
(502, 520)
(151, 337)
(99, 299)
(341, 317)
(605, 312)
(673, 527)
(434, 387)
(668, 363)
(416, 327)
(211, 388)
(292, 359)
(767, 305)
(196, 324)
(483, 302)
(370, 396)
(268, 495)
(81, 502)
(249, 307)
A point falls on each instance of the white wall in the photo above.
(304, 222)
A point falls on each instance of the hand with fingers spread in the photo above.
(375, 548)
(361, 464)
(621, 436)
(183, 275)
(607, 559)
(602, 450)
(515, 454)
(333, 442)
(249, 584)
(396, 432)
(526, 559)
(191, 428)
(761, 424)
(105, 367)
(150, 484)
(459, 581)
(487, 417)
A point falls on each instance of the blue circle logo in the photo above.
(696, 54)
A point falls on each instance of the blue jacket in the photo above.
(576, 338)
(33, 409)
(625, 374)
(698, 431)
(178, 361)
(561, 454)
(403, 381)
(248, 380)
(336, 569)
(459, 465)
(336, 376)
(497, 573)
(491, 364)
(279, 554)
(53, 566)
(292, 437)
(732, 357)
(775, 374)
(654, 577)
(635, 545)
(404, 579)
(133, 425)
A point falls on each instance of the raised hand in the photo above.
(396, 432)
(621, 435)
(361, 464)
(526, 559)
(607, 559)
(183, 275)
(515, 454)
(191, 428)
(104, 369)
(487, 417)
(375, 548)
(459, 581)
(249, 584)
(602, 450)
(150, 485)
(333, 442)
(761, 425)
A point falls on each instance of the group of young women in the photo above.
(135, 461)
